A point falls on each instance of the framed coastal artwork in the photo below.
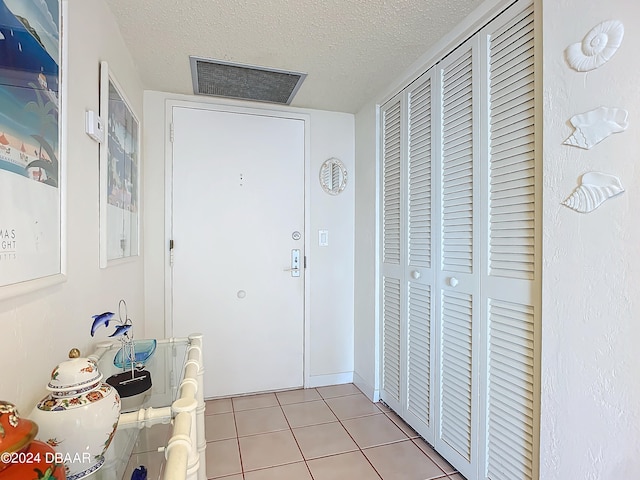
(31, 186)
(119, 174)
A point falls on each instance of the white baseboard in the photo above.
(366, 388)
(331, 379)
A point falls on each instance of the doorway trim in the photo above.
(168, 207)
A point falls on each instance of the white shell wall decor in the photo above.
(595, 189)
(597, 47)
(595, 125)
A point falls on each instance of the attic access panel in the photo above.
(247, 82)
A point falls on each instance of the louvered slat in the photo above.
(512, 161)
(391, 337)
(419, 351)
(456, 372)
(511, 374)
(457, 166)
(391, 186)
(419, 192)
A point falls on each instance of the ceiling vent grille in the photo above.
(247, 82)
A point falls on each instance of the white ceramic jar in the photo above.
(79, 417)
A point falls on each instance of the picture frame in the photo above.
(119, 174)
(32, 140)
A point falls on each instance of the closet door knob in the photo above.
(453, 281)
(416, 274)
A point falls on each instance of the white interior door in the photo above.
(238, 217)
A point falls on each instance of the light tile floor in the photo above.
(326, 433)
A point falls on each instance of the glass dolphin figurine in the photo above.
(121, 330)
(99, 320)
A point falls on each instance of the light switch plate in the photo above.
(323, 238)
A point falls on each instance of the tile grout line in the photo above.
(408, 438)
(293, 435)
(235, 424)
(356, 443)
(416, 437)
(305, 460)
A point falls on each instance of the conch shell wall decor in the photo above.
(595, 125)
(595, 189)
(597, 47)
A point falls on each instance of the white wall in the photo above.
(366, 353)
(590, 425)
(330, 269)
(39, 328)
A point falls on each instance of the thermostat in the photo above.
(94, 126)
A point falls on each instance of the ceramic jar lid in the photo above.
(15, 432)
(73, 377)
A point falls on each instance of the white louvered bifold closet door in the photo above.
(458, 278)
(460, 267)
(509, 289)
(393, 235)
(407, 270)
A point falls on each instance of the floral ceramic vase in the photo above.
(22, 457)
(79, 417)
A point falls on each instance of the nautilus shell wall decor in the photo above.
(597, 47)
(595, 125)
(595, 189)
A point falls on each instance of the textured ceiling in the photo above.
(350, 49)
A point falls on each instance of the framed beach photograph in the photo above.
(119, 174)
(31, 186)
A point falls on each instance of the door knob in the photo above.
(416, 274)
(453, 281)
